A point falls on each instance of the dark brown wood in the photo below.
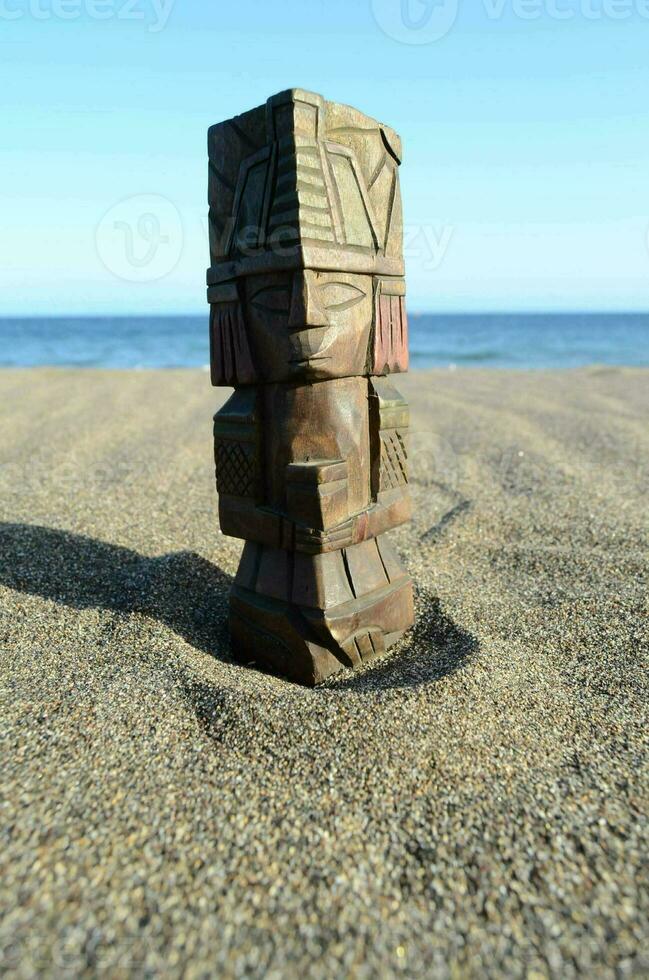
(308, 318)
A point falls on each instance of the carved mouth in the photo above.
(309, 360)
(309, 345)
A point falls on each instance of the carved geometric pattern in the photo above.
(301, 204)
(235, 469)
(394, 459)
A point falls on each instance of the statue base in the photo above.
(308, 616)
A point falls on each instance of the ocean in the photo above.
(510, 340)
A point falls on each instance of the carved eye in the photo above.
(272, 299)
(340, 295)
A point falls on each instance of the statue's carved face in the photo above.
(309, 325)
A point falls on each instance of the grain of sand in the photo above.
(475, 805)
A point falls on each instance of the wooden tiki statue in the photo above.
(307, 322)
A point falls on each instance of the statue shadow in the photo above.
(182, 590)
(190, 595)
(434, 648)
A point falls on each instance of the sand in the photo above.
(475, 805)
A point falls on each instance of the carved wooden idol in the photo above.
(307, 323)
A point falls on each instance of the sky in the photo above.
(524, 125)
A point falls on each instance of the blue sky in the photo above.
(524, 122)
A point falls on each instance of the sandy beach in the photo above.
(474, 805)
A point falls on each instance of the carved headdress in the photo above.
(303, 183)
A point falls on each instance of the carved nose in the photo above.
(306, 310)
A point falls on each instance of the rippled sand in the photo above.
(474, 805)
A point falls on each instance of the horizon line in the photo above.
(411, 313)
